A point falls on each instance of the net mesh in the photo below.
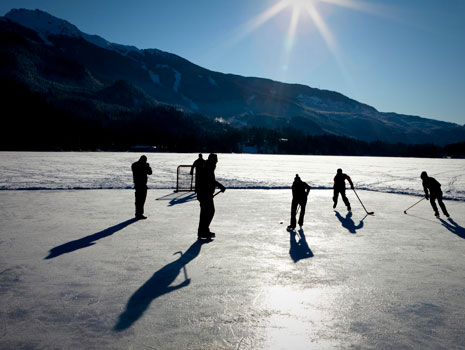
(184, 180)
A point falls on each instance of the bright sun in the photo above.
(298, 4)
(309, 10)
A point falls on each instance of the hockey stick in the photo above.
(216, 193)
(184, 266)
(368, 212)
(405, 211)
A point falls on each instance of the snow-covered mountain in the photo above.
(54, 57)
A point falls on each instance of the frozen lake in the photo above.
(102, 170)
(78, 272)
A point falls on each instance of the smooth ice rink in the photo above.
(76, 272)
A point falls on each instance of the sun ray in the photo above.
(300, 7)
(292, 29)
(362, 6)
(328, 38)
(259, 20)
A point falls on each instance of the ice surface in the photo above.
(77, 273)
(106, 170)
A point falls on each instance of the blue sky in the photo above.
(404, 56)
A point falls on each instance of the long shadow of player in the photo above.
(299, 248)
(156, 286)
(453, 227)
(88, 240)
(348, 223)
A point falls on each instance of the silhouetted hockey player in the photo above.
(206, 184)
(198, 164)
(434, 187)
(340, 187)
(300, 191)
(140, 170)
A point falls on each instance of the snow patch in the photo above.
(311, 100)
(192, 104)
(212, 81)
(154, 77)
(45, 24)
(251, 98)
(177, 76)
(177, 80)
(74, 170)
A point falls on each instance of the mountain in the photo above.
(75, 70)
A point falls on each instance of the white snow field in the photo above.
(77, 272)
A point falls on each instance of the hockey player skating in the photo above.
(140, 170)
(206, 184)
(300, 191)
(431, 185)
(340, 187)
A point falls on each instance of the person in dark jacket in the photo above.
(340, 187)
(434, 187)
(197, 165)
(206, 184)
(140, 170)
(300, 191)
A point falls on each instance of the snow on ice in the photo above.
(106, 170)
(77, 272)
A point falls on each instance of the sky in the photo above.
(403, 56)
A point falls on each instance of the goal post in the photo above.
(185, 182)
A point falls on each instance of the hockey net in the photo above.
(185, 182)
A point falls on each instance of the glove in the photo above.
(352, 186)
(222, 188)
(427, 197)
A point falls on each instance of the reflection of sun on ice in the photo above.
(298, 318)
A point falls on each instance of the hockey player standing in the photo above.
(140, 170)
(197, 165)
(434, 187)
(300, 191)
(206, 184)
(340, 187)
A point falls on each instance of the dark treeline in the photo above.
(30, 122)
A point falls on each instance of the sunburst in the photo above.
(305, 10)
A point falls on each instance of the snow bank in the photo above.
(107, 170)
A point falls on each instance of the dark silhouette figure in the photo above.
(140, 170)
(434, 187)
(453, 227)
(206, 184)
(300, 191)
(299, 248)
(348, 223)
(340, 187)
(156, 286)
(88, 240)
(198, 164)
